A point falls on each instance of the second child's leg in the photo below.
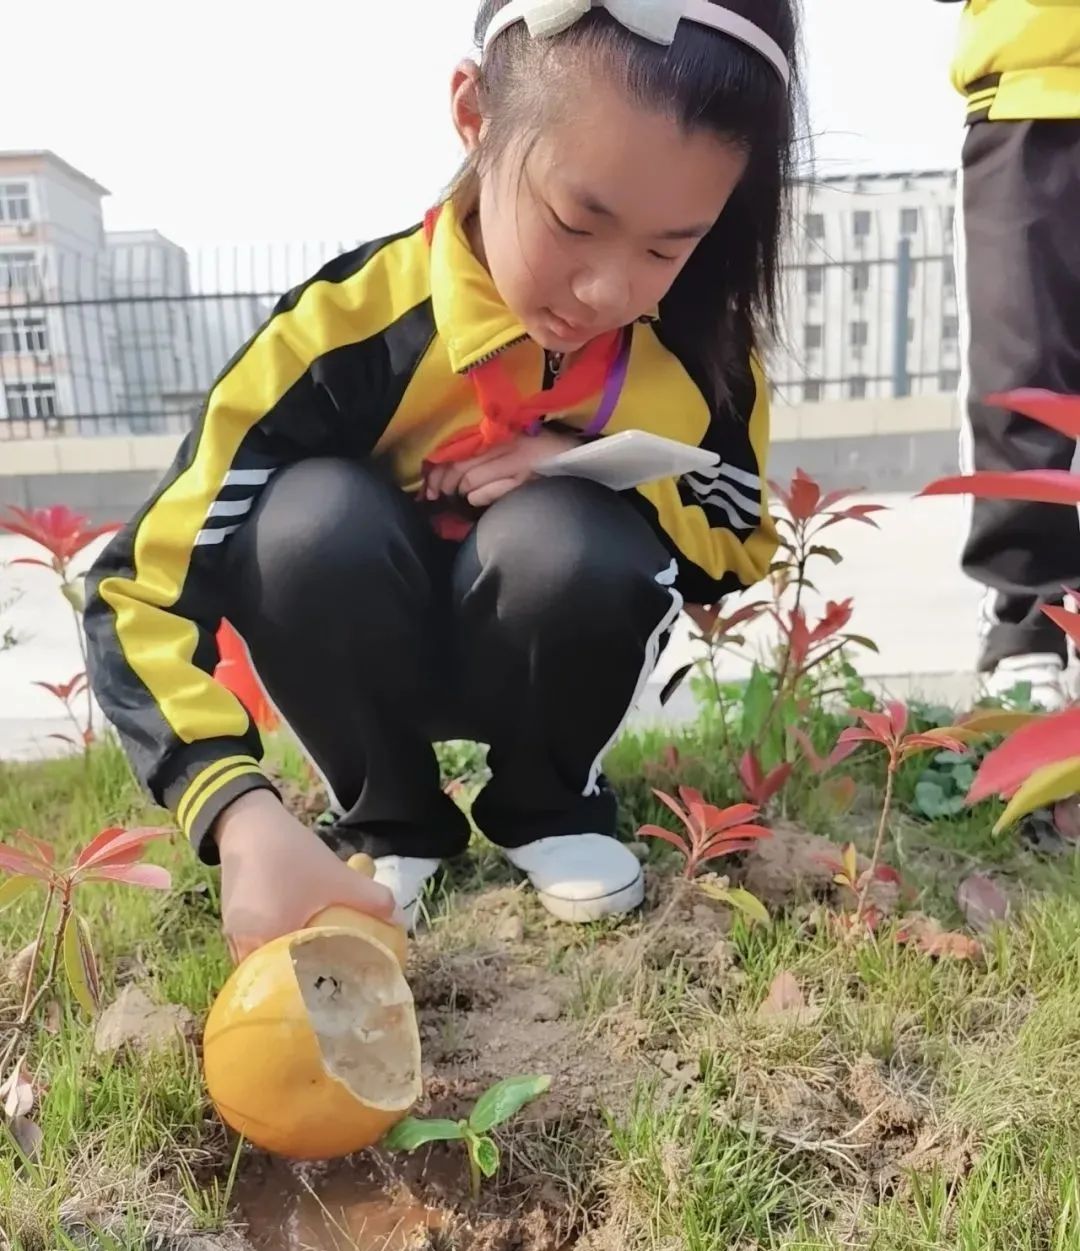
(1021, 197)
(333, 584)
(563, 599)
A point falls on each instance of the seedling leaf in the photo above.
(504, 1100)
(485, 1155)
(412, 1132)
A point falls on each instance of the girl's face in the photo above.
(585, 226)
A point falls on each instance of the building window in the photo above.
(815, 225)
(30, 399)
(860, 333)
(19, 335)
(909, 221)
(950, 220)
(948, 277)
(811, 390)
(19, 271)
(950, 328)
(913, 275)
(861, 224)
(911, 329)
(949, 380)
(14, 201)
(815, 279)
(856, 388)
(860, 278)
(813, 336)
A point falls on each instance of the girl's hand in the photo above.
(489, 477)
(276, 875)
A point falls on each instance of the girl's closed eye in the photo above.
(566, 228)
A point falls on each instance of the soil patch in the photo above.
(484, 1013)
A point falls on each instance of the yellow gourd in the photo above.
(311, 1050)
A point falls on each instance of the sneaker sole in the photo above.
(579, 911)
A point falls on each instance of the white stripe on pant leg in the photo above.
(986, 615)
(666, 578)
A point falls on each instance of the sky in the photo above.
(216, 121)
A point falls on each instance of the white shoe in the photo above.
(1043, 671)
(581, 877)
(405, 877)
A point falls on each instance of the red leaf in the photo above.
(898, 717)
(804, 496)
(1066, 620)
(742, 838)
(64, 691)
(750, 772)
(29, 560)
(12, 861)
(837, 616)
(676, 840)
(236, 673)
(878, 723)
(1040, 486)
(1059, 412)
(854, 736)
(1029, 749)
(675, 807)
(60, 531)
(47, 853)
(151, 876)
(939, 739)
(886, 873)
(113, 843)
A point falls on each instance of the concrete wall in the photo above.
(879, 445)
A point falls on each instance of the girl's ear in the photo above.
(465, 105)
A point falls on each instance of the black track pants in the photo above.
(375, 639)
(1021, 236)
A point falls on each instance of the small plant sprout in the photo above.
(495, 1107)
(110, 857)
(845, 870)
(887, 730)
(63, 535)
(712, 833)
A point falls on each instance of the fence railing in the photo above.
(130, 339)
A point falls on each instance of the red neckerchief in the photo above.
(505, 413)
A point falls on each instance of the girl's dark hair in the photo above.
(727, 296)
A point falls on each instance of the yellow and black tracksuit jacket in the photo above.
(1019, 60)
(370, 359)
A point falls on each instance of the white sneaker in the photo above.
(1043, 671)
(405, 877)
(581, 877)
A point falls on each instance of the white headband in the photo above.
(657, 20)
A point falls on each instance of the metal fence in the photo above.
(128, 339)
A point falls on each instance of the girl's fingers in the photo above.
(492, 491)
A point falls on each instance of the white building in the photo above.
(870, 294)
(104, 332)
(52, 251)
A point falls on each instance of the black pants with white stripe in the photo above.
(1021, 221)
(375, 639)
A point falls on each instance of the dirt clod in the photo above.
(134, 1020)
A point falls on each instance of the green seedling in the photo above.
(495, 1107)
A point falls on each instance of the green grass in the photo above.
(920, 1105)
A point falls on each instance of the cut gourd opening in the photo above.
(361, 1012)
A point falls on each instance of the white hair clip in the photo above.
(656, 20)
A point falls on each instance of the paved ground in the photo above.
(908, 592)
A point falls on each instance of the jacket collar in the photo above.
(470, 316)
